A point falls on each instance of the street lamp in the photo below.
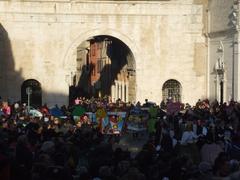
(69, 78)
(28, 92)
(219, 71)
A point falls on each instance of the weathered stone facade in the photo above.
(39, 40)
(223, 29)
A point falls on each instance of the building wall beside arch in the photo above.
(222, 29)
(166, 38)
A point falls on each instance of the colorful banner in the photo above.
(173, 108)
(112, 123)
(137, 121)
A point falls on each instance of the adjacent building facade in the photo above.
(183, 49)
(223, 39)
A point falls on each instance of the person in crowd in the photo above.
(198, 142)
(210, 150)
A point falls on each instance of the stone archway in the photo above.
(70, 64)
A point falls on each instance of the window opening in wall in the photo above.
(171, 90)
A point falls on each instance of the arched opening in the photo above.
(172, 90)
(105, 68)
(35, 95)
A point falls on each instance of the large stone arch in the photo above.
(70, 58)
(69, 61)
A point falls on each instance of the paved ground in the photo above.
(133, 144)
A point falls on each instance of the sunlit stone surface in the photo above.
(39, 40)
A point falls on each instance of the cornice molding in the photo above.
(222, 33)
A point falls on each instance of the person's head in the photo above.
(123, 167)
(82, 171)
(133, 173)
(22, 140)
(105, 172)
(204, 168)
(189, 127)
(56, 121)
(209, 138)
(234, 165)
(48, 147)
(59, 159)
(56, 173)
(78, 124)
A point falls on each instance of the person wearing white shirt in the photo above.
(188, 136)
(188, 146)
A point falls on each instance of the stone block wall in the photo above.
(166, 38)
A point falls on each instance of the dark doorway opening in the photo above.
(221, 92)
(35, 96)
(105, 68)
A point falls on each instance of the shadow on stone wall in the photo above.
(11, 79)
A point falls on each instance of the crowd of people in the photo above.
(184, 142)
